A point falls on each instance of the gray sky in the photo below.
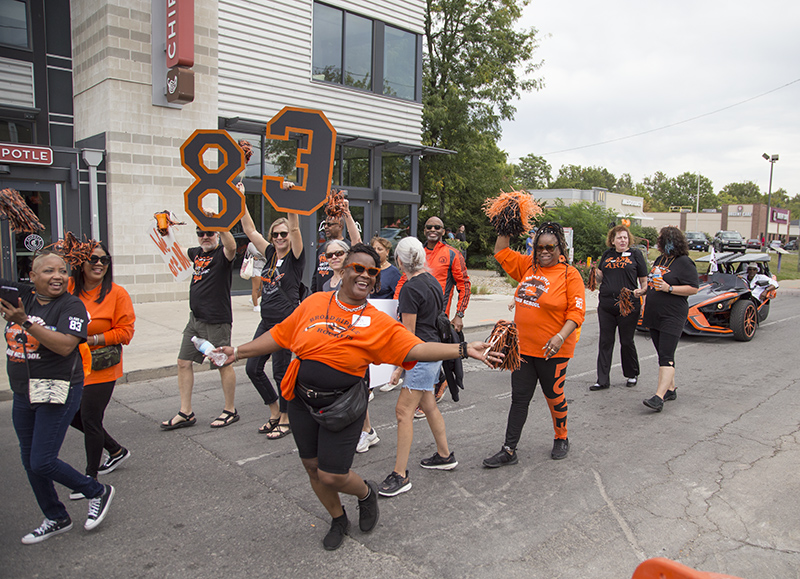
(618, 68)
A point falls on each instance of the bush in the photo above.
(590, 224)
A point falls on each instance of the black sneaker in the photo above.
(631, 382)
(98, 508)
(560, 448)
(439, 462)
(340, 527)
(502, 458)
(656, 403)
(113, 462)
(368, 512)
(394, 484)
(47, 529)
(597, 387)
(671, 395)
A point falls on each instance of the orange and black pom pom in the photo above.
(164, 220)
(335, 205)
(512, 213)
(592, 285)
(505, 340)
(74, 251)
(247, 148)
(625, 301)
(20, 217)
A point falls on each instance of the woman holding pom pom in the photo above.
(549, 307)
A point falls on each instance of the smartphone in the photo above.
(10, 294)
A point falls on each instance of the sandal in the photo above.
(227, 417)
(280, 431)
(188, 420)
(269, 426)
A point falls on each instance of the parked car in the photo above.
(697, 240)
(791, 245)
(776, 244)
(729, 241)
(753, 244)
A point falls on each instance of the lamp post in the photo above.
(697, 209)
(771, 159)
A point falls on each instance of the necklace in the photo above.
(345, 308)
(44, 298)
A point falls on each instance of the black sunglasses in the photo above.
(332, 223)
(281, 234)
(436, 227)
(205, 233)
(359, 269)
(550, 247)
(333, 254)
(103, 259)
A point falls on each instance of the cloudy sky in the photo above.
(618, 68)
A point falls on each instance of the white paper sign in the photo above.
(173, 254)
(381, 374)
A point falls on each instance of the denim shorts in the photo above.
(423, 376)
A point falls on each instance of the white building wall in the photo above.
(265, 64)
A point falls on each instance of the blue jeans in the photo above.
(41, 429)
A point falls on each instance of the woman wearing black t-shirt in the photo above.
(281, 277)
(619, 267)
(672, 279)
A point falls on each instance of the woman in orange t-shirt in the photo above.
(111, 323)
(549, 307)
(336, 335)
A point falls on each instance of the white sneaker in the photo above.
(367, 439)
(388, 387)
(371, 396)
(257, 309)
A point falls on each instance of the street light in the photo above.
(771, 159)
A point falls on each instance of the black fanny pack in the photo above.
(345, 408)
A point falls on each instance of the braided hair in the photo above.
(552, 228)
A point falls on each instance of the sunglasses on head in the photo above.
(359, 269)
(436, 227)
(205, 233)
(550, 247)
(281, 234)
(333, 254)
(102, 259)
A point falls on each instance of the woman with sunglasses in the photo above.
(549, 307)
(281, 279)
(336, 336)
(335, 253)
(111, 321)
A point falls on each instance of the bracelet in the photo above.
(562, 337)
(236, 354)
(462, 351)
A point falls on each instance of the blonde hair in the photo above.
(278, 221)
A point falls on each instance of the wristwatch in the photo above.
(26, 324)
(460, 315)
(670, 289)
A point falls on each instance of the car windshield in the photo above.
(693, 235)
(731, 235)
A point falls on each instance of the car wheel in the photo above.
(744, 320)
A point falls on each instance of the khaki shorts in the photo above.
(217, 334)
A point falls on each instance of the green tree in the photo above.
(532, 172)
(747, 192)
(577, 177)
(665, 192)
(590, 223)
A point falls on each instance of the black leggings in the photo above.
(255, 370)
(89, 420)
(665, 345)
(610, 320)
(551, 375)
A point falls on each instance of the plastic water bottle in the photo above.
(657, 273)
(207, 348)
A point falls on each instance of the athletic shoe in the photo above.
(257, 309)
(367, 439)
(388, 387)
(112, 462)
(47, 529)
(340, 527)
(597, 387)
(671, 395)
(98, 508)
(368, 512)
(631, 382)
(440, 390)
(439, 462)
(76, 496)
(418, 413)
(502, 458)
(656, 403)
(394, 484)
(560, 448)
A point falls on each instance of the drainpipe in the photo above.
(93, 158)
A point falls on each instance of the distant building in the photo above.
(627, 206)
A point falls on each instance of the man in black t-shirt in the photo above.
(210, 319)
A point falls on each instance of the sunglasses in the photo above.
(333, 254)
(550, 247)
(103, 259)
(359, 269)
(206, 234)
(332, 223)
(281, 234)
(436, 227)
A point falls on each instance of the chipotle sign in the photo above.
(25, 154)
(180, 33)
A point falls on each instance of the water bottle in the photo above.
(207, 348)
(656, 274)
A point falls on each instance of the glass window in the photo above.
(253, 168)
(396, 172)
(280, 158)
(395, 222)
(356, 167)
(16, 132)
(399, 63)
(358, 52)
(14, 23)
(327, 59)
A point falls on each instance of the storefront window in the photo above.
(395, 222)
(396, 172)
(356, 167)
(399, 63)
(14, 23)
(27, 244)
(16, 132)
(327, 48)
(358, 52)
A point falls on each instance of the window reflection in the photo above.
(14, 23)
(327, 48)
(358, 52)
(399, 63)
(396, 172)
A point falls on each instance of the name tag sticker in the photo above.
(279, 263)
(361, 322)
(626, 253)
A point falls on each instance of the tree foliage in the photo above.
(577, 177)
(590, 223)
(532, 172)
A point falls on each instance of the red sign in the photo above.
(780, 215)
(25, 154)
(180, 33)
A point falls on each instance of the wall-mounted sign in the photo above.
(180, 33)
(780, 215)
(180, 85)
(633, 202)
(25, 154)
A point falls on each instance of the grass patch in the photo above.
(479, 290)
(510, 280)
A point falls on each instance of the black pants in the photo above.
(665, 345)
(551, 375)
(89, 420)
(255, 370)
(610, 321)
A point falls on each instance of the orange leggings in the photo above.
(551, 375)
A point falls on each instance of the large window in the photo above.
(395, 222)
(14, 23)
(13, 131)
(344, 50)
(396, 172)
(351, 167)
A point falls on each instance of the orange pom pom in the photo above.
(512, 213)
